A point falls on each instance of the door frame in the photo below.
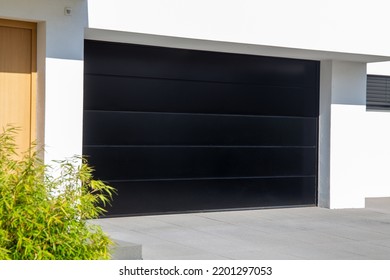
(33, 86)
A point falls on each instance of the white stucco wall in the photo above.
(64, 108)
(355, 26)
(377, 154)
(360, 154)
(60, 70)
(378, 139)
(379, 68)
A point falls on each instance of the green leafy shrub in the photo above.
(43, 216)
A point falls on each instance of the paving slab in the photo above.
(123, 250)
(287, 233)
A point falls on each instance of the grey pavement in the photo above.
(274, 234)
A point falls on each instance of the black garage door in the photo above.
(179, 130)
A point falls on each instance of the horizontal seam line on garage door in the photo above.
(205, 114)
(196, 146)
(195, 81)
(210, 178)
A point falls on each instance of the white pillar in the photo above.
(342, 135)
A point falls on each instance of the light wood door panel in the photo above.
(17, 55)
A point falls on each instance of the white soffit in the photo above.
(230, 47)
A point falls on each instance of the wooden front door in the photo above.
(18, 79)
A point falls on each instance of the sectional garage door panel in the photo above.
(145, 163)
(162, 95)
(179, 130)
(139, 128)
(109, 58)
(168, 195)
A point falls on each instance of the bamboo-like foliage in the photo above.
(45, 216)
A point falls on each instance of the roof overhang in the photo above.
(230, 47)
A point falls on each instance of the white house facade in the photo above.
(239, 62)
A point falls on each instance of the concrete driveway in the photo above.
(289, 233)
